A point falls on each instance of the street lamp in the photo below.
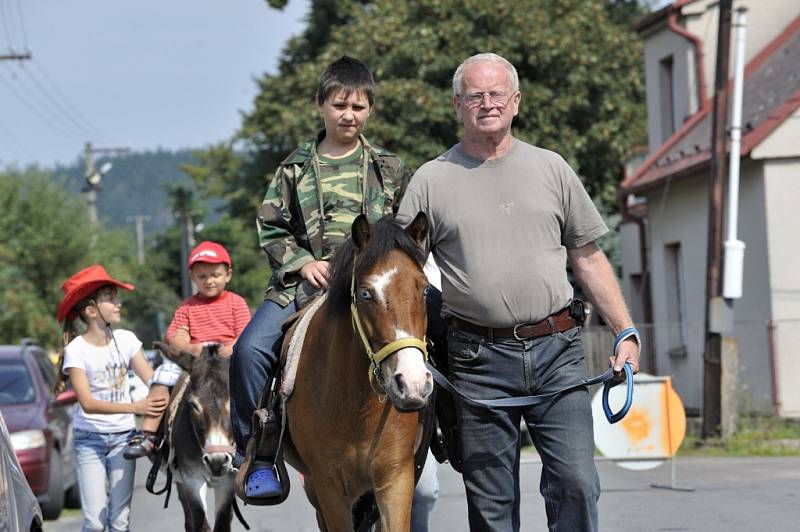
(93, 178)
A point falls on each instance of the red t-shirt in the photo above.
(221, 319)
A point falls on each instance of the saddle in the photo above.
(269, 424)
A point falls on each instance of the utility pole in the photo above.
(94, 176)
(183, 198)
(16, 57)
(139, 220)
(718, 312)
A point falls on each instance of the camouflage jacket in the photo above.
(290, 225)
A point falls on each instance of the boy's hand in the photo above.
(225, 350)
(182, 340)
(150, 406)
(316, 273)
(182, 334)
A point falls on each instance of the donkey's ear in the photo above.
(418, 229)
(361, 231)
(181, 358)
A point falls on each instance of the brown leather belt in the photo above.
(559, 322)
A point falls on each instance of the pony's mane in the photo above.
(386, 236)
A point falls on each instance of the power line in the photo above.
(55, 103)
(36, 111)
(22, 25)
(68, 104)
(13, 143)
(27, 91)
(14, 25)
(6, 25)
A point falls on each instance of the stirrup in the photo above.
(262, 482)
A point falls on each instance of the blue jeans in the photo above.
(105, 479)
(561, 429)
(254, 357)
(425, 495)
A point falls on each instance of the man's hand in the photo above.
(316, 273)
(627, 351)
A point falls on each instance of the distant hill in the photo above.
(136, 185)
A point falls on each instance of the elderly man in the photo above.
(505, 217)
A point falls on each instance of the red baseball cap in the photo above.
(82, 285)
(208, 251)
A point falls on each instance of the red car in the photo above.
(40, 425)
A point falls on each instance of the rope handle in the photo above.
(610, 415)
(624, 334)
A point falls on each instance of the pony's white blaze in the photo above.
(380, 281)
(411, 365)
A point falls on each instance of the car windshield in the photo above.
(15, 384)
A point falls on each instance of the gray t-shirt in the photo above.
(500, 230)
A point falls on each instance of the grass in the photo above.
(755, 436)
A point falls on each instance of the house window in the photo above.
(667, 97)
(673, 270)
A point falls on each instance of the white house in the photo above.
(665, 200)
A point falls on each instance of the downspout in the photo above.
(672, 24)
(647, 305)
(773, 362)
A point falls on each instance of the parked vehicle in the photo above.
(39, 425)
(19, 509)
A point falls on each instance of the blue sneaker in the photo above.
(262, 483)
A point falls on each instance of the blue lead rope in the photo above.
(611, 416)
(624, 334)
(607, 379)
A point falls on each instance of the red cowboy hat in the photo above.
(82, 285)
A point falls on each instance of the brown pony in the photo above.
(346, 438)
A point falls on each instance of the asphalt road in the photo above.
(730, 495)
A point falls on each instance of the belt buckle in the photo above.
(514, 332)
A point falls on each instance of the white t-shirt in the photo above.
(106, 368)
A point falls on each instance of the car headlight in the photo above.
(28, 439)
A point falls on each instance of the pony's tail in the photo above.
(68, 332)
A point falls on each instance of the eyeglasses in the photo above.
(496, 98)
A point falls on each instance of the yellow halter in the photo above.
(376, 358)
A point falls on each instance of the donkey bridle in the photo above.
(375, 359)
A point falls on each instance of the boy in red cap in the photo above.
(211, 316)
(97, 362)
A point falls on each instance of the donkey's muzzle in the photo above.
(219, 464)
(218, 459)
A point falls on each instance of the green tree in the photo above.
(46, 233)
(46, 237)
(579, 65)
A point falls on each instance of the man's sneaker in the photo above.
(262, 482)
(141, 444)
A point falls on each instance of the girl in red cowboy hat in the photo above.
(96, 363)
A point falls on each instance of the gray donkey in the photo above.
(199, 439)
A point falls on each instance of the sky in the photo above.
(142, 74)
